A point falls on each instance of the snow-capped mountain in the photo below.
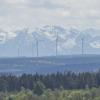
(69, 41)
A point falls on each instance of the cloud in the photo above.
(17, 14)
(81, 14)
(69, 44)
(95, 44)
(11, 35)
(3, 37)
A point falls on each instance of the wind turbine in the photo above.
(57, 44)
(19, 49)
(37, 47)
(37, 41)
(82, 49)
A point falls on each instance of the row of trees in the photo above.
(38, 83)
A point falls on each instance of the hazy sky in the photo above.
(68, 14)
(16, 14)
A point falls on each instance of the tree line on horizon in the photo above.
(37, 82)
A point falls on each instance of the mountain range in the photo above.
(23, 42)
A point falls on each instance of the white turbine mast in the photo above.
(57, 44)
(82, 48)
(37, 45)
(19, 43)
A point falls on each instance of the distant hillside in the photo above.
(44, 65)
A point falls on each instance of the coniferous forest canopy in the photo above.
(59, 86)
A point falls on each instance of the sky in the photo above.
(17, 14)
(68, 14)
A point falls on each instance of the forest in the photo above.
(58, 86)
(67, 80)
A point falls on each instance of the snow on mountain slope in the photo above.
(69, 41)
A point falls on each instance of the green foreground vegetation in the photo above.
(86, 94)
(58, 86)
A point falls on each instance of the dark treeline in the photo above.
(68, 80)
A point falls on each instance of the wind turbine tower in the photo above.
(82, 46)
(57, 45)
(18, 52)
(37, 47)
